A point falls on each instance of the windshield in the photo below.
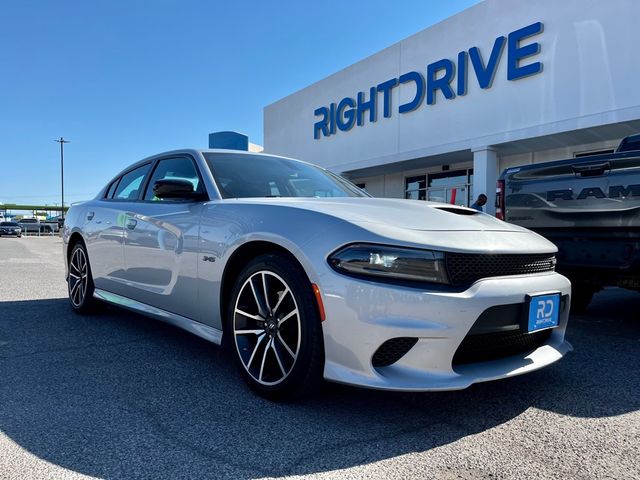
(251, 176)
(8, 224)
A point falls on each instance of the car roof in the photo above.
(193, 152)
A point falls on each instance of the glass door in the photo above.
(450, 187)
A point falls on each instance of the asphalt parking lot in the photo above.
(117, 395)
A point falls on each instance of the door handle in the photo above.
(90, 215)
(131, 223)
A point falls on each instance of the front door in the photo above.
(161, 243)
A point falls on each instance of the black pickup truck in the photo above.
(590, 208)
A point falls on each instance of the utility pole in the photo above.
(62, 141)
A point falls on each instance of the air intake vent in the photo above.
(392, 350)
(492, 346)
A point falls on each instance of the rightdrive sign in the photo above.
(445, 75)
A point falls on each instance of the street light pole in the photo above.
(62, 141)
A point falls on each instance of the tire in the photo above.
(80, 282)
(277, 344)
(581, 296)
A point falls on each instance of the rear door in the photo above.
(104, 230)
(161, 242)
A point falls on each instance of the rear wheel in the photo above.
(80, 282)
(275, 328)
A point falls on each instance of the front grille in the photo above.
(492, 346)
(464, 268)
(392, 350)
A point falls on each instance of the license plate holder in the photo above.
(543, 311)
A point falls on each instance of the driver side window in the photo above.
(181, 168)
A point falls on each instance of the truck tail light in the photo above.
(500, 199)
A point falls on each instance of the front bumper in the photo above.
(362, 315)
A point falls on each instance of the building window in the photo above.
(415, 188)
(454, 187)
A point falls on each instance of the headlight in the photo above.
(393, 263)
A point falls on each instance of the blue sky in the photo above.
(123, 80)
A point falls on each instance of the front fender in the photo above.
(225, 227)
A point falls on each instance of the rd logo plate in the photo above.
(544, 311)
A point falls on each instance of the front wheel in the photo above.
(80, 282)
(275, 327)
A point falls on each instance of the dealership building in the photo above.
(439, 115)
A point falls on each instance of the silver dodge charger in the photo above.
(304, 276)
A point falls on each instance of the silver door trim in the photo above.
(200, 329)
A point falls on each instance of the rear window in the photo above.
(112, 189)
(130, 183)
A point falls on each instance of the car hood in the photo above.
(397, 213)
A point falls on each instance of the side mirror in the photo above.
(174, 188)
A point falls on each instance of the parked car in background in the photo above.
(303, 275)
(58, 220)
(589, 207)
(10, 228)
(33, 225)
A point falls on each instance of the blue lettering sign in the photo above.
(385, 89)
(321, 126)
(440, 75)
(462, 74)
(418, 79)
(442, 83)
(364, 106)
(517, 52)
(485, 74)
(345, 118)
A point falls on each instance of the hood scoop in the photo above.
(458, 211)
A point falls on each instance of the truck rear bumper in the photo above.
(598, 256)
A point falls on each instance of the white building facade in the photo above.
(440, 114)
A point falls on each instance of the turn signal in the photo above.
(316, 292)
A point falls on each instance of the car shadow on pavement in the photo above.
(117, 395)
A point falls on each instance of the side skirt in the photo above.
(200, 329)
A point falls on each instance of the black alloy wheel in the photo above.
(80, 282)
(275, 326)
